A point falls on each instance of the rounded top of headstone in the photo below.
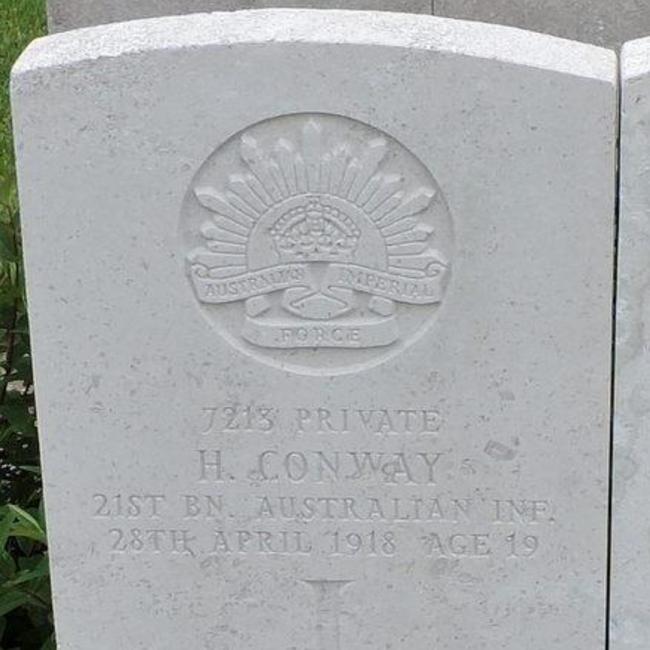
(279, 26)
(635, 58)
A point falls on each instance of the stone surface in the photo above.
(242, 447)
(630, 628)
(70, 14)
(603, 22)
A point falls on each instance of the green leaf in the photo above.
(7, 189)
(7, 567)
(32, 469)
(50, 644)
(19, 416)
(7, 247)
(26, 525)
(41, 570)
(7, 519)
(31, 563)
(11, 600)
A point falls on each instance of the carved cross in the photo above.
(328, 611)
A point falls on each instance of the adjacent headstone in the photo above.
(630, 627)
(321, 315)
(70, 14)
(602, 22)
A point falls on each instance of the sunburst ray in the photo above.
(390, 185)
(311, 143)
(211, 199)
(254, 158)
(422, 232)
(340, 158)
(368, 165)
(308, 166)
(414, 204)
(240, 184)
(285, 153)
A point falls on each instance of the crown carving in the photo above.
(315, 232)
(319, 190)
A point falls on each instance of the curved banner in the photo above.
(414, 291)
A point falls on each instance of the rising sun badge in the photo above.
(323, 230)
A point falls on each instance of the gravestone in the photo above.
(70, 14)
(630, 627)
(603, 22)
(321, 316)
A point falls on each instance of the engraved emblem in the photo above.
(321, 231)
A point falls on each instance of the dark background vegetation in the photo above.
(25, 602)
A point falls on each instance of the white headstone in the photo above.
(70, 14)
(321, 313)
(602, 22)
(630, 628)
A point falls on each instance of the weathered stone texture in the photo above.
(321, 322)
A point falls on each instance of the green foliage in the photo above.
(25, 603)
